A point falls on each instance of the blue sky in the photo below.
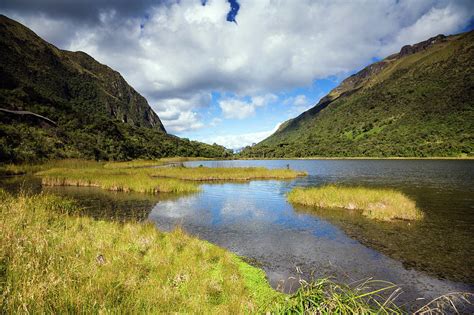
(230, 71)
(284, 105)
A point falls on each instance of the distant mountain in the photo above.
(92, 111)
(418, 102)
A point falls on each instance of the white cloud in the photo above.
(298, 100)
(215, 121)
(237, 141)
(240, 109)
(185, 50)
(298, 104)
(232, 108)
(178, 115)
(183, 122)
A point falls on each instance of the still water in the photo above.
(253, 219)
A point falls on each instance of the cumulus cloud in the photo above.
(178, 114)
(180, 50)
(237, 141)
(240, 109)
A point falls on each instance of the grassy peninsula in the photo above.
(54, 260)
(380, 204)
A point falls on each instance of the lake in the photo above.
(253, 219)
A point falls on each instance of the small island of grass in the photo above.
(380, 204)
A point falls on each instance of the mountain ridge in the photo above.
(422, 65)
(96, 113)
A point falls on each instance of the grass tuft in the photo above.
(380, 204)
(324, 296)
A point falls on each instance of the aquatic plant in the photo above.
(380, 204)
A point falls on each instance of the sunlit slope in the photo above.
(418, 102)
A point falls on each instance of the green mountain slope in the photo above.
(95, 113)
(418, 102)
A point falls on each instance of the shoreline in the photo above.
(360, 158)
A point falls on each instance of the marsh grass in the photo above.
(137, 176)
(135, 163)
(53, 260)
(124, 180)
(380, 204)
(325, 296)
(26, 168)
(225, 173)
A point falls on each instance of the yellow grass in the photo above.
(52, 260)
(130, 180)
(224, 173)
(380, 204)
(134, 163)
(135, 176)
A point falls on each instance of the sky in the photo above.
(231, 71)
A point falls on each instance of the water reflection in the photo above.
(255, 220)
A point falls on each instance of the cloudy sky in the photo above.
(231, 71)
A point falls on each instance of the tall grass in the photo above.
(225, 173)
(135, 163)
(380, 204)
(52, 260)
(134, 176)
(324, 296)
(115, 180)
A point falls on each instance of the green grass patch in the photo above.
(134, 163)
(126, 180)
(53, 260)
(225, 173)
(324, 296)
(380, 204)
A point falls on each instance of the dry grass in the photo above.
(380, 204)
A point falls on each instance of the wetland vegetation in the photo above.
(380, 204)
(56, 259)
(141, 176)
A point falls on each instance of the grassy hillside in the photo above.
(416, 103)
(95, 113)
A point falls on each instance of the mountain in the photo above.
(57, 104)
(418, 102)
